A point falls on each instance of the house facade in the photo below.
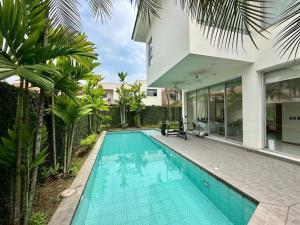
(243, 96)
(154, 95)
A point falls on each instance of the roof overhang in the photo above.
(141, 28)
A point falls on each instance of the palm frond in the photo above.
(226, 22)
(101, 9)
(65, 13)
(288, 39)
(147, 9)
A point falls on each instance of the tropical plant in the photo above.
(72, 72)
(124, 97)
(136, 102)
(28, 161)
(93, 96)
(69, 112)
(38, 218)
(26, 46)
(50, 171)
(88, 142)
(74, 169)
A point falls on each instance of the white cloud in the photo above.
(117, 52)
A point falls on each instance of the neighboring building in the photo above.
(251, 97)
(111, 95)
(154, 95)
(16, 83)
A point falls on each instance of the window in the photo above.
(152, 92)
(282, 111)
(105, 94)
(218, 110)
(150, 52)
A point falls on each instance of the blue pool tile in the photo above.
(137, 181)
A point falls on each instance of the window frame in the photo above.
(154, 92)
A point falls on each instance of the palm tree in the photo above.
(69, 112)
(136, 102)
(123, 101)
(68, 84)
(28, 162)
(93, 96)
(24, 51)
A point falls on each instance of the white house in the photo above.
(154, 95)
(247, 97)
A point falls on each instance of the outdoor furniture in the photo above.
(163, 128)
(200, 128)
(180, 132)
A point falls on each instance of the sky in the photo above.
(117, 52)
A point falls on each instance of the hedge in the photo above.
(152, 115)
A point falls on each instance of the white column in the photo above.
(253, 108)
(184, 109)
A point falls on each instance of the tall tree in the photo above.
(123, 101)
(136, 102)
(69, 112)
(93, 96)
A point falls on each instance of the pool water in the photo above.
(138, 181)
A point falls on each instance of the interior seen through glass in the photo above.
(283, 116)
(217, 110)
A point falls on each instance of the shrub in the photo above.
(50, 171)
(74, 170)
(173, 125)
(88, 142)
(38, 218)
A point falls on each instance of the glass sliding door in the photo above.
(202, 110)
(191, 109)
(216, 110)
(202, 105)
(234, 111)
(283, 112)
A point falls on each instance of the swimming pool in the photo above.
(138, 181)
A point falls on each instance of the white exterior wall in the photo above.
(170, 39)
(175, 36)
(111, 89)
(151, 100)
(201, 45)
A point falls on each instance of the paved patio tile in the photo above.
(272, 182)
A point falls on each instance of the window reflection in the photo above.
(234, 109)
(216, 110)
(206, 110)
(191, 109)
(283, 116)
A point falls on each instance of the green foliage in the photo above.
(38, 218)
(88, 142)
(8, 149)
(124, 98)
(50, 171)
(73, 171)
(136, 102)
(69, 111)
(93, 96)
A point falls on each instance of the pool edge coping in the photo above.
(65, 211)
(264, 214)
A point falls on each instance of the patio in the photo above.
(274, 183)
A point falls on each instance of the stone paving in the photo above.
(274, 183)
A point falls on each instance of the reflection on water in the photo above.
(136, 181)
